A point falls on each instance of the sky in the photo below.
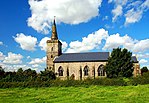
(82, 26)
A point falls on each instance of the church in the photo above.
(78, 66)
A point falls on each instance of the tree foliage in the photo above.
(144, 69)
(1, 72)
(119, 64)
(26, 75)
(47, 75)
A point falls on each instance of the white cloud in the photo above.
(132, 9)
(28, 57)
(1, 43)
(15, 67)
(43, 44)
(115, 40)
(64, 45)
(141, 46)
(134, 4)
(143, 55)
(2, 64)
(105, 18)
(13, 58)
(109, 26)
(133, 16)
(117, 12)
(38, 61)
(26, 42)
(110, 1)
(90, 42)
(136, 12)
(118, 8)
(35, 65)
(145, 4)
(142, 61)
(118, 2)
(2, 56)
(66, 11)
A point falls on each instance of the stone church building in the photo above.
(77, 65)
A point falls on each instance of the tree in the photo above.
(119, 64)
(143, 70)
(47, 75)
(19, 75)
(29, 74)
(2, 72)
(20, 70)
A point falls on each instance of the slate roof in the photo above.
(82, 57)
(86, 57)
(134, 59)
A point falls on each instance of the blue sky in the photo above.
(82, 25)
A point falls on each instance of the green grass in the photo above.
(90, 94)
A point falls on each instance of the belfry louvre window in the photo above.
(60, 71)
(86, 68)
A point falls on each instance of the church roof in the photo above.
(86, 57)
(134, 59)
(82, 57)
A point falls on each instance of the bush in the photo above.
(144, 79)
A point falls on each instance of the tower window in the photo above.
(51, 56)
(52, 49)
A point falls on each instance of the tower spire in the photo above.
(54, 31)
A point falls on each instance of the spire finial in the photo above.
(54, 20)
(54, 31)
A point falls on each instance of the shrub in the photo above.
(144, 79)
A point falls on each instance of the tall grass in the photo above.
(90, 94)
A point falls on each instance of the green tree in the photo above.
(144, 69)
(20, 70)
(119, 64)
(47, 75)
(19, 75)
(2, 72)
(29, 74)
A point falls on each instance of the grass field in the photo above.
(90, 94)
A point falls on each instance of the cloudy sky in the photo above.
(82, 25)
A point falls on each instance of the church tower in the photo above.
(54, 48)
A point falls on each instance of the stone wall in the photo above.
(137, 70)
(74, 69)
(53, 50)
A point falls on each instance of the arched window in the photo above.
(60, 71)
(86, 68)
(101, 71)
